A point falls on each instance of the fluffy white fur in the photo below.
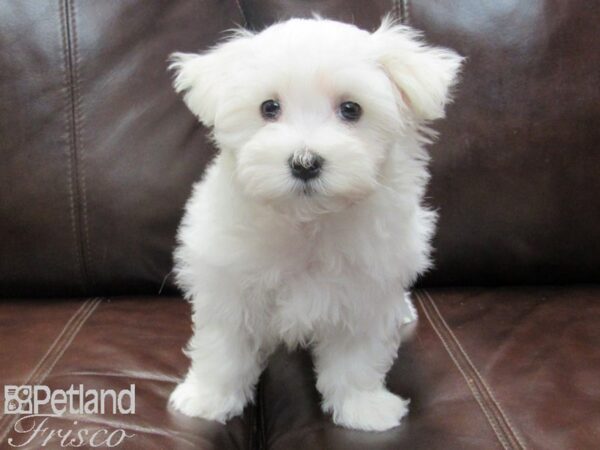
(266, 258)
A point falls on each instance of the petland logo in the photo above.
(33, 405)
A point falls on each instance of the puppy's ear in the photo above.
(196, 76)
(201, 76)
(423, 75)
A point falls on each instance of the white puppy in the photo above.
(309, 226)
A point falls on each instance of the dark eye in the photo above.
(270, 109)
(350, 111)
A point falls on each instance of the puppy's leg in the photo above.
(351, 373)
(226, 363)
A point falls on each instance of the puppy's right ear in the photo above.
(201, 77)
(197, 76)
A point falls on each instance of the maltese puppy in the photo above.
(309, 225)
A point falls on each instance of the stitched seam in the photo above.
(78, 147)
(71, 338)
(70, 160)
(400, 11)
(38, 379)
(396, 11)
(469, 380)
(501, 416)
(472, 375)
(60, 344)
(50, 349)
(242, 12)
(405, 12)
(75, 317)
(511, 429)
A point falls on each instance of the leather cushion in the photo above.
(487, 368)
(109, 344)
(99, 154)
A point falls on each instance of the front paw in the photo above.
(195, 400)
(369, 410)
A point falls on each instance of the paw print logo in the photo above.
(11, 406)
(17, 399)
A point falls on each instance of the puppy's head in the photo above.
(309, 109)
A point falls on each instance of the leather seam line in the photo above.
(242, 12)
(396, 10)
(400, 10)
(95, 303)
(79, 266)
(502, 416)
(50, 358)
(73, 319)
(77, 99)
(405, 12)
(475, 382)
(468, 379)
(50, 349)
(78, 176)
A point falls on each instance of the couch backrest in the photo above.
(99, 154)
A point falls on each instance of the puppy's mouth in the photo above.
(308, 188)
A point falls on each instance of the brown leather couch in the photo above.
(97, 158)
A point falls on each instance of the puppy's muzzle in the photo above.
(305, 165)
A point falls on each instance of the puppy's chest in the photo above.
(322, 256)
(312, 252)
(321, 291)
(316, 278)
(316, 264)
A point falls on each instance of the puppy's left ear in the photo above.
(423, 75)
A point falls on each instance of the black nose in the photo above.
(306, 167)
